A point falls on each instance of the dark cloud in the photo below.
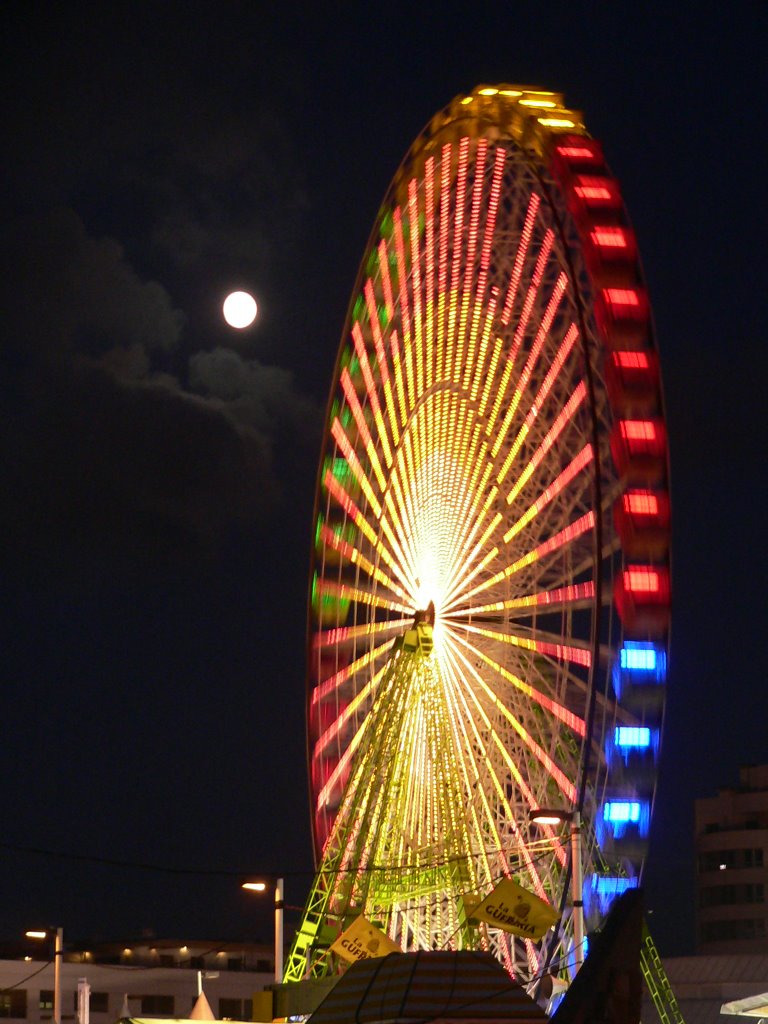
(64, 291)
(100, 471)
(263, 398)
(119, 448)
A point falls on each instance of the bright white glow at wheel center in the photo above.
(239, 309)
(428, 580)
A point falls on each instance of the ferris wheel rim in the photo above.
(597, 599)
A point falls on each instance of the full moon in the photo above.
(239, 310)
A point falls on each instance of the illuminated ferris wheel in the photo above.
(489, 603)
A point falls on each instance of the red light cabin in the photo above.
(632, 379)
(610, 252)
(642, 520)
(623, 317)
(576, 154)
(641, 594)
(639, 449)
(594, 198)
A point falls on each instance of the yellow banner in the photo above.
(363, 941)
(515, 910)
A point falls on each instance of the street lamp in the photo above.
(279, 909)
(554, 816)
(58, 952)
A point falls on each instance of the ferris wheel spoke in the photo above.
(458, 234)
(537, 404)
(343, 634)
(361, 784)
(559, 651)
(331, 684)
(475, 709)
(494, 198)
(430, 333)
(562, 714)
(564, 783)
(552, 544)
(402, 276)
(552, 491)
(518, 338)
(418, 326)
(370, 388)
(469, 265)
(561, 421)
(354, 464)
(378, 338)
(521, 256)
(355, 557)
(541, 336)
(461, 722)
(386, 280)
(362, 427)
(574, 595)
(340, 722)
(341, 591)
(557, 710)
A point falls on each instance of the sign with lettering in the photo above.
(513, 909)
(363, 941)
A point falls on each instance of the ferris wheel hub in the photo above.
(426, 615)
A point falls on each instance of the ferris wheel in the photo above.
(489, 590)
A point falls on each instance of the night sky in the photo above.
(158, 468)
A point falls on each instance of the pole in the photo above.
(58, 952)
(83, 1001)
(279, 945)
(577, 880)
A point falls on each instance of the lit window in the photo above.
(641, 503)
(621, 810)
(621, 296)
(576, 153)
(632, 736)
(640, 656)
(596, 191)
(610, 238)
(631, 360)
(641, 579)
(638, 430)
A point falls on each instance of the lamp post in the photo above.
(279, 911)
(552, 816)
(58, 952)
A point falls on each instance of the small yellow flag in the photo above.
(363, 941)
(515, 910)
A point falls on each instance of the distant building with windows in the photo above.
(732, 866)
(155, 978)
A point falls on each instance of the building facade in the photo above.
(732, 866)
(153, 978)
